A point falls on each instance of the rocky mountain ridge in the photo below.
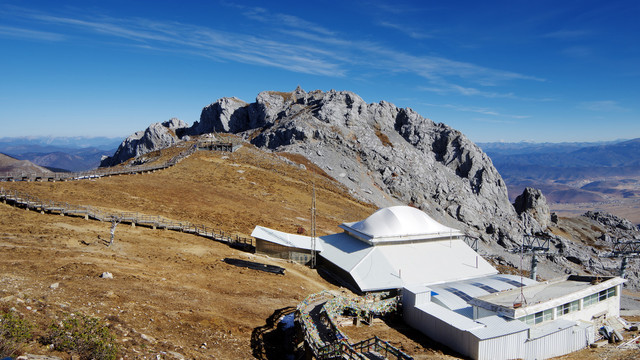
(385, 155)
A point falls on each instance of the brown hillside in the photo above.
(11, 165)
(234, 192)
(171, 287)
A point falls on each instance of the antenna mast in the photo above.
(313, 227)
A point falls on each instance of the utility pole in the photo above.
(313, 227)
(535, 246)
(625, 250)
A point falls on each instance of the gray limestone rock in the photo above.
(157, 136)
(532, 203)
(610, 220)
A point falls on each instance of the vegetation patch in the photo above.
(86, 336)
(384, 139)
(14, 333)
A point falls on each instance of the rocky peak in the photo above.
(532, 203)
(157, 136)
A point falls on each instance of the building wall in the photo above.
(559, 343)
(300, 256)
(610, 306)
(339, 275)
(458, 340)
(479, 313)
(502, 347)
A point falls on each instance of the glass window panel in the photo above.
(574, 306)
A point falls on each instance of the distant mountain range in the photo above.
(570, 172)
(60, 153)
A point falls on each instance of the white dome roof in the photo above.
(398, 223)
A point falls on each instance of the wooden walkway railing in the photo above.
(29, 202)
(103, 172)
(324, 338)
(96, 173)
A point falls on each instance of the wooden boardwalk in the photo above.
(30, 202)
(325, 340)
(113, 171)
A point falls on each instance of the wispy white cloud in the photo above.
(603, 106)
(396, 7)
(14, 32)
(450, 88)
(578, 51)
(412, 33)
(479, 110)
(494, 121)
(289, 21)
(568, 34)
(290, 43)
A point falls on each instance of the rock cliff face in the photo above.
(532, 208)
(384, 154)
(157, 136)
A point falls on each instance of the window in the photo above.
(529, 319)
(590, 300)
(601, 296)
(563, 309)
(568, 307)
(538, 317)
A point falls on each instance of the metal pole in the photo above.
(534, 266)
(623, 267)
(313, 228)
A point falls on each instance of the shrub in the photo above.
(14, 331)
(87, 336)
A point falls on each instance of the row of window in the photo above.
(601, 296)
(564, 309)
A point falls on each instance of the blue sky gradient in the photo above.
(497, 71)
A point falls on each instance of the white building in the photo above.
(453, 295)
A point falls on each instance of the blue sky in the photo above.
(497, 71)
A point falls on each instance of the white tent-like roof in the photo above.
(398, 224)
(384, 267)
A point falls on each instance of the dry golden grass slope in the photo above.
(171, 287)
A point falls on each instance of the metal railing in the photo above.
(380, 347)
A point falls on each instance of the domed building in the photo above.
(396, 247)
